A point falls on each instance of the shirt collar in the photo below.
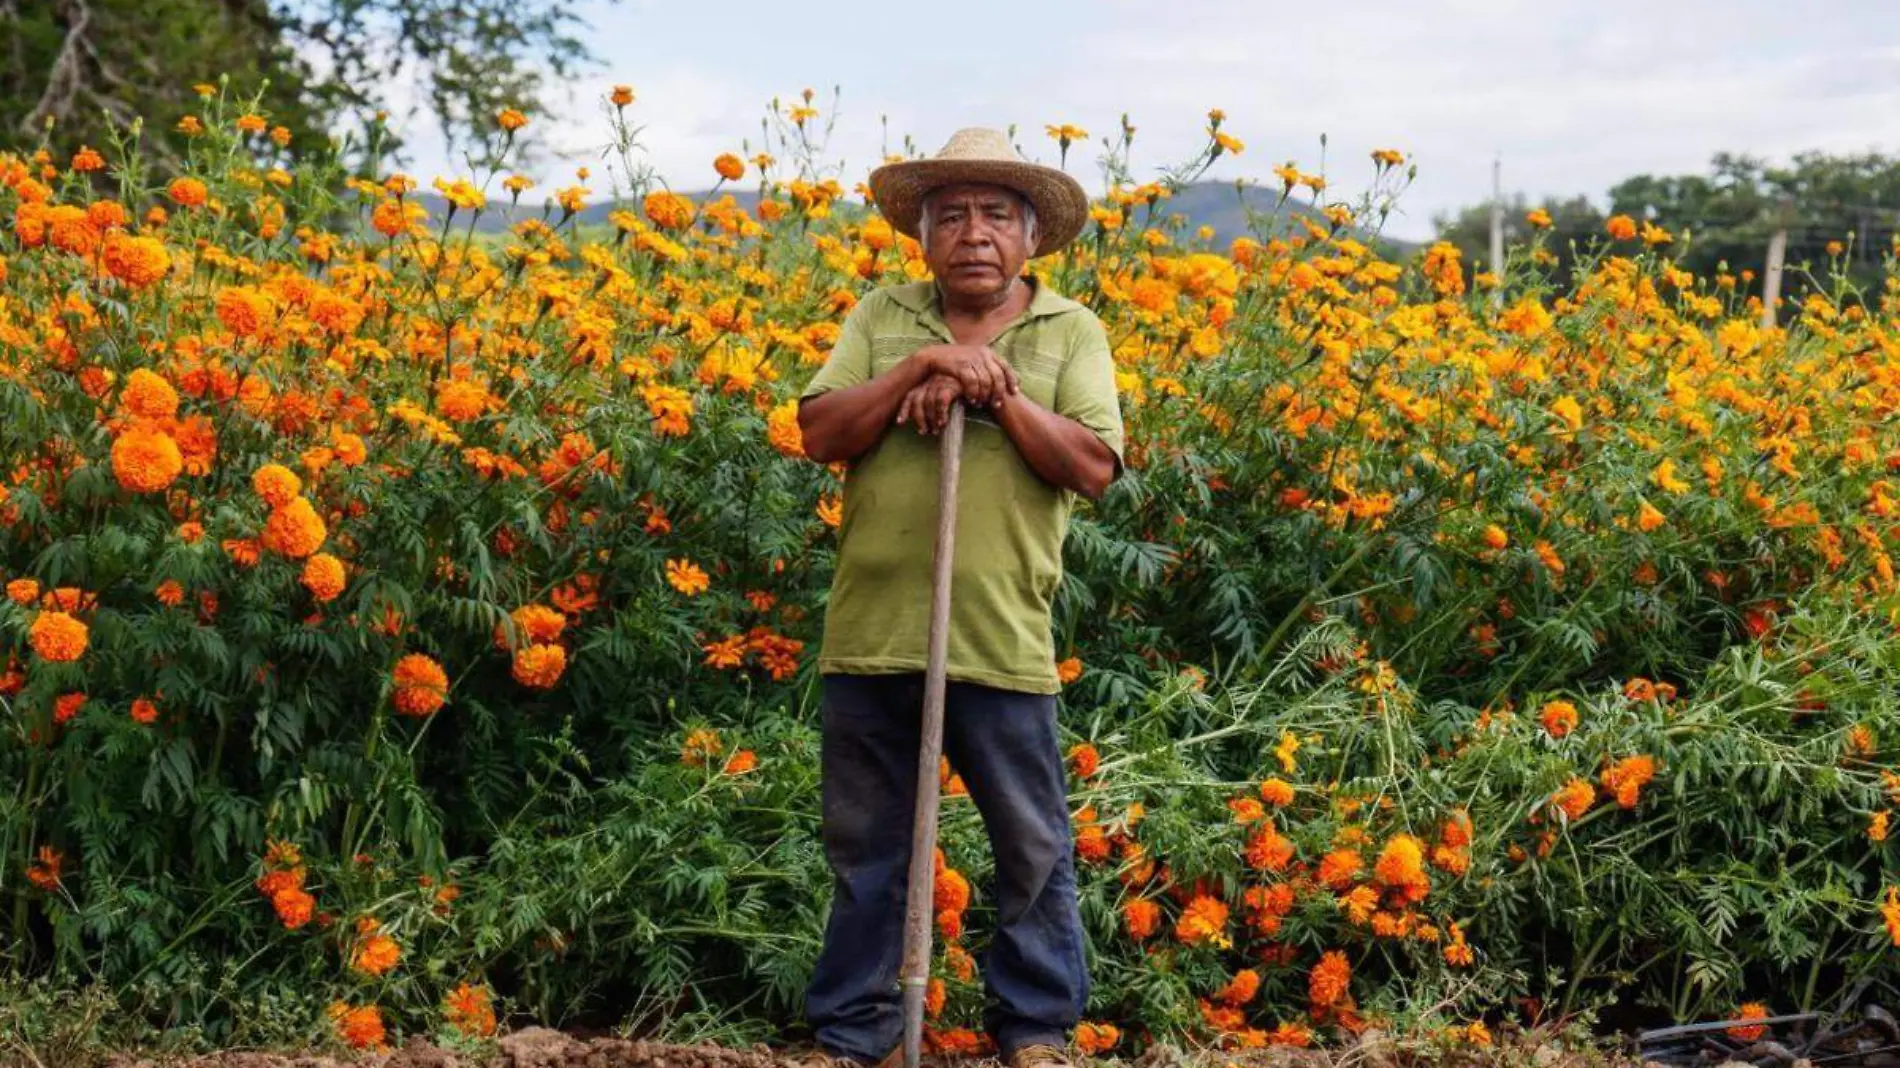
(924, 299)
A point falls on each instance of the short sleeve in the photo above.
(850, 359)
(1085, 391)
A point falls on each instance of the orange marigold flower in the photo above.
(686, 577)
(144, 711)
(58, 637)
(276, 484)
(145, 460)
(243, 310)
(951, 892)
(294, 907)
(470, 1010)
(782, 430)
(421, 685)
(1559, 718)
(376, 955)
(538, 666)
(360, 1027)
(1069, 670)
(1203, 921)
(1246, 810)
(44, 871)
(295, 530)
(1240, 989)
(1093, 1039)
(323, 577)
(935, 994)
(1621, 227)
(1457, 953)
(187, 192)
(1877, 827)
(139, 262)
(23, 591)
(1401, 867)
(461, 401)
(1749, 1010)
(148, 396)
(1268, 850)
(1290, 1034)
(1084, 760)
(1627, 777)
(1574, 799)
(1276, 792)
(1338, 868)
(741, 762)
(1327, 984)
(532, 623)
(701, 745)
(1890, 913)
(668, 211)
(1141, 916)
(729, 166)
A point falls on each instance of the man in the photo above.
(1034, 372)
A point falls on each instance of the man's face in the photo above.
(979, 239)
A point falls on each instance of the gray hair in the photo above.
(1032, 227)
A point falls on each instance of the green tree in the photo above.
(75, 69)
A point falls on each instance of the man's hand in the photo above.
(983, 377)
(927, 405)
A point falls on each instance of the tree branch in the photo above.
(62, 82)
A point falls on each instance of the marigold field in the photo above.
(408, 630)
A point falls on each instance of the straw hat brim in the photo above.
(1062, 208)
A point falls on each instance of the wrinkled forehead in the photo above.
(974, 195)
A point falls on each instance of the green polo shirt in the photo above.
(1010, 523)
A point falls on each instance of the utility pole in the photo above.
(1771, 277)
(1497, 227)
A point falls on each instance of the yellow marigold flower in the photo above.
(276, 484)
(1567, 409)
(421, 685)
(781, 429)
(686, 577)
(539, 666)
(323, 577)
(139, 262)
(295, 530)
(1538, 218)
(461, 194)
(1289, 745)
(148, 395)
(58, 637)
(145, 460)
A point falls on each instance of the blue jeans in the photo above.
(1004, 745)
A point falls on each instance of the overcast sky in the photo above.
(1575, 94)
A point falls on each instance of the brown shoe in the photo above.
(823, 1058)
(1040, 1056)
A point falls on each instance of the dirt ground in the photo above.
(539, 1047)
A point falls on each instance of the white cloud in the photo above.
(1575, 94)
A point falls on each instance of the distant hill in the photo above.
(1215, 204)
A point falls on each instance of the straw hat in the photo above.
(983, 155)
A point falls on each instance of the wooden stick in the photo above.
(915, 971)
